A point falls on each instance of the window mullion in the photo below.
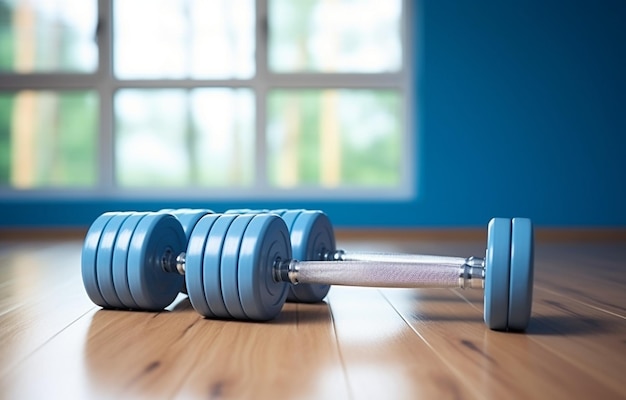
(105, 87)
(260, 86)
(47, 81)
(409, 92)
(179, 83)
(336, 80)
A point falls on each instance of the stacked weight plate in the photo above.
(312, 237)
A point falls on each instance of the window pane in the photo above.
(178, 138)
(333, 138)
(48, 36)
(335, 36)
(198, 39)
(48, 139)
(225, 136)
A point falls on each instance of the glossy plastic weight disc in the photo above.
(194, 265)
(157, 235)
(88, 258)
(189, 218)
(265, 241)
(497, 273)
(290, 217)
(229, 265)
(104, 260)
(120, 259)
(211, 265)
(242, 211)
(522, 271)
(279, 212)
(312, 235)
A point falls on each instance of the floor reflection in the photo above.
(178, 352)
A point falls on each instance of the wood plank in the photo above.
(382, 355)
(578, 333)
(594, 275)
(55, 370)
(294, 355)
(113, 354)
(504, 363)
(41, 294)
(594, 339)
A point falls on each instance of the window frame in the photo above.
(104, 82)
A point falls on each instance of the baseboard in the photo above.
(543, 234)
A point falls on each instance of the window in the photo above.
(229, 98)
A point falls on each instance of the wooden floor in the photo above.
(359, 344)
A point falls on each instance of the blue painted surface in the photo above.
(522, 112)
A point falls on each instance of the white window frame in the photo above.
(106, 84)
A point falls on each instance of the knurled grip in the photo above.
(377, 274)
(398, 257)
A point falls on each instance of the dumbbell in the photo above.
(312, 239)
(311, 231)
(240, 266)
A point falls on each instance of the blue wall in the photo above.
(537, 90)
(521, 111)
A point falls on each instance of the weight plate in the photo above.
(211, 265)
(290, 217)
(522, 266)
(120, 260)
(312, 236)
(104, 260)
(497, 273)
(189, 218)
(279, 212)
(265, 241)
(156, 236)
(239, 211)
(194, 265)
(89, 256)
(229, 265)
(242, 211)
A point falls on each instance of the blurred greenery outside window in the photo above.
(220, 98)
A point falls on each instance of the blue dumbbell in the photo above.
(252, 286)
(241, 267)
(506, 273)
(312, 239)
